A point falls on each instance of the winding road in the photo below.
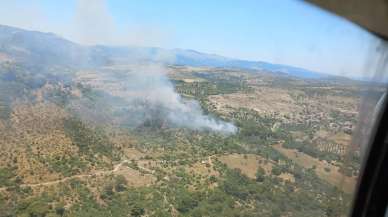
(80, 176)
(115, 169)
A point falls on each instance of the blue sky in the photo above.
(281, 31)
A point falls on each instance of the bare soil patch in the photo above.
(135, 178)
(324, 170)
(248, 163)
(264, 100)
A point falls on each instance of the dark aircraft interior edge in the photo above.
(371, 197)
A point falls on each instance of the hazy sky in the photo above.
(281, 31)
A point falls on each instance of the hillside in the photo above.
(125, 132)
(47, 49)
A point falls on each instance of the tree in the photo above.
(137, 211)
(186, 202)
(276, 170)
(60, 210)
(120, 183)
(212, 179)
(260, 175)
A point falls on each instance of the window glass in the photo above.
(195, 108)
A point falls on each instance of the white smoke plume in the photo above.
(145, 87)
(148, 96)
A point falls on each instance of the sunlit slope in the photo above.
(121, 133)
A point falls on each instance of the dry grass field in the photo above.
(324, 170)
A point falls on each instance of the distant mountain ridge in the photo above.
(195, 58)
(37, 48)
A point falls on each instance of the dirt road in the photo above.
(81, 176)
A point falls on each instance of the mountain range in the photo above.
(38, 49)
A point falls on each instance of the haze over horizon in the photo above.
(250, 30)
(184, 108)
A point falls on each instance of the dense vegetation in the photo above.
(172, 156)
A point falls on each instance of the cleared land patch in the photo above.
(323, 169)
(263, 100)
(248, 163)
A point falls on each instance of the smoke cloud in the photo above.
(142, 95)
(93, 24)
(149, 96)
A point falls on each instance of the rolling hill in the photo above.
(34, 48)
